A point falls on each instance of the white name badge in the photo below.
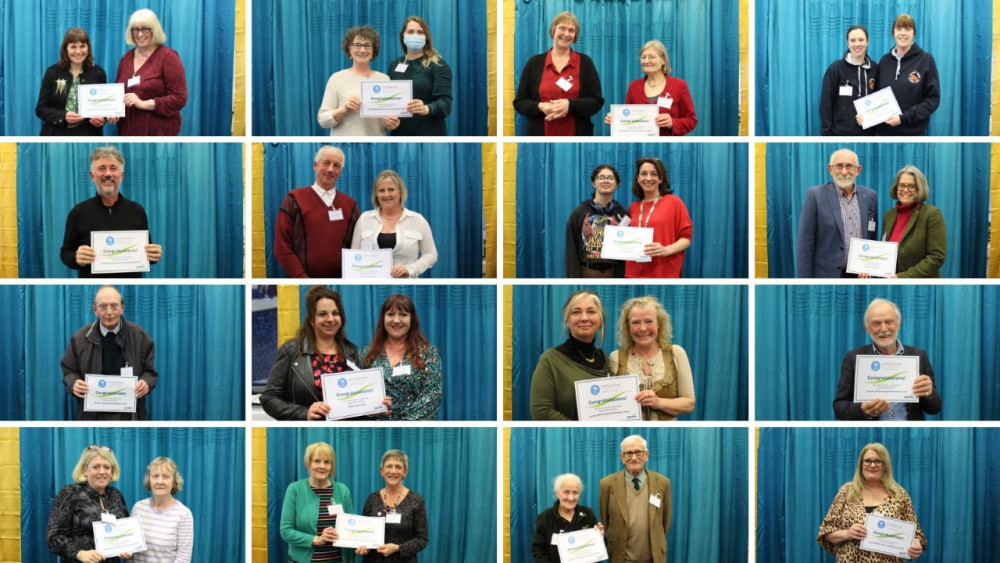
(665, 101)
(335, 509)
(400, 370)
(871, 225)
(132, 81)
(565, 84)
(393, 518)
(654, 500)
(847, 90)
(401, 67)
(108, 517)
(335, 214)
(127, 371)
(553, 541)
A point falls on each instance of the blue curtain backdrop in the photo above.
(198, 332)
(710, 323)
(444, 183)
(706, 467)
(460, 320)
(810, 328)
(453, 469)
(211, 460)
(201, 31)
(958, 175)
(950, 473)
(702, 41)
(711, 179)
(296, 47)
(797, 41)
(192, 194)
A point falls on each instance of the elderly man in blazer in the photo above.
(832, 214)
(635, 508)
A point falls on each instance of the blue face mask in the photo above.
(414, 42)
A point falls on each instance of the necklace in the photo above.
(385, 499)
(591, 359)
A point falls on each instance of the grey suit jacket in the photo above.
(819, 248)
(614, 514)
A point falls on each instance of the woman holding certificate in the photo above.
(431, 77)
(663, 212)
(340, 111)
(872, 491)
(167, 525)
(70, 532)
(585, 228)
(669, 93)
(563, 516)
(391, 226)
(913, 76)
(410, 364)
(309, 511)
(644, 332)
(58, 104)
(155, 86)
(295, 385)
(559, 89)
(553, 385)
(404, 512)
(848, 78)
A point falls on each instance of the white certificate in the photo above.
(582, 546)
(360, 531)
(626, 243)
(109, 393)
(872, 257)
(886, 377)
(119, 252)
(634, 120)
(101, 100)
(876, 108)
(366, 263)
(888, 535)
(384, 98)
(608, 398)
(353, 393)
(123, 535)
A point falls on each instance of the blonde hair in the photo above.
(88, 455)
(858, 485)
(661, 50)
(171, 466)
(145, 18)
(397, 455)
(575, 298)
(396, 179)
(664, 330)
(321, 449)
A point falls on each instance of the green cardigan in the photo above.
(299, 514)
(924, 244)
(553, 386)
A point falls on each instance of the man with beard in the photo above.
(882, 321)
(107, 211)
(833, 214)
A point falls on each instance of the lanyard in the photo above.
(641, 206)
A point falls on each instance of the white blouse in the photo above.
(414, 241)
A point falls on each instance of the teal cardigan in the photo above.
(924, 244)
(299, 513)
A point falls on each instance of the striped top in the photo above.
(169, 533)
(325, 552)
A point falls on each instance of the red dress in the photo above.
(670, 221)
(681, 108)
(161, 78)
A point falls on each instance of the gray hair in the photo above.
(923, 190)
(560, 480)
(324, 148)
(634, 438)
(107, 152)
(660, 50)
(396, 454)
(880, 301)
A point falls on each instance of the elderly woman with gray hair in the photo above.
(167, 524)
(404, 512)
(669, 93)
(566, 515)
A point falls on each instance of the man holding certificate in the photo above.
(885, 380)
(116, 218)
(112, 347)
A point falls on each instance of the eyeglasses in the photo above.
(141, 30)
(633, 453)
(875, 462)
(605, 178)
(906, 187)
(99, 448)
(649, 57)
(108, 306)
(841, 166)
(361, 45)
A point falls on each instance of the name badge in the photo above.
(334, 509)
(367, 245)
(871, 225)
(401, 369)
(127, 371)
(132, 82)
(626, 221)
(847, 90)
(108, 517)
(393, 518)
(654, 500)
(553, 540)
(401, 67)
(565, 84)
(665, 102)
(335, 214)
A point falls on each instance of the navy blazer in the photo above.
(819, 248)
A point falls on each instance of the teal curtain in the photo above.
(702, 41)
(797, 41)
(192, 194)
(958, 176)
(706, 468)
(453, 469)
(709, 322)
(211, 460)
(444, 183)
(296, 47)
(804, 331)
(711, 179)
(950, 473)
(198, 332)
(201, 31)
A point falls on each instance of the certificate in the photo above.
(366, 263)
(385, 98)
(101, 100)
(582, 546)
(119, 252)
(886, 377)
(872, 257)
(608, 398)
(888, 535)
(109, 393)
(353, 393)
(876, 108)
(634, 120)
(626, 243)
(120, 536)
(360, 531)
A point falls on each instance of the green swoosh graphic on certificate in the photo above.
(579, 547)
(634, 121)
(104, 99)
(888, 377)
(354, 393)
(876, 257)
(122, 251)
(883, 535)
(361, 531)
(369, 266)
(394, 97)
(608, 400)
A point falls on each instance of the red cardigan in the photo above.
(161, 78)
(682, 110)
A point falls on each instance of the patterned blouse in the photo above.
(411, 532)
(417, 395)
(844, 512)
(73, 511)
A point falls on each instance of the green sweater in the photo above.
(553, 389)
(299, 514)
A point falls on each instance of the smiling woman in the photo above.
(404, 512)
(167, 525)
(58, 103)
(309, 511)
(340, 111)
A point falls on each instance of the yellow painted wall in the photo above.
(239, 70)
(490, 207)
(993, 262)
(10, 494)
(744, 67)
(509, 209)
(258, 500)
(760, 210)
(491, 65)
(288, 312)
(258, 259)
(8, 210)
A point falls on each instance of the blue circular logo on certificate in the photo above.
(865, 247)
(102, 383)
(351, 521)
(376, 88)
(621, 233)
(109, 240)
(876, 366)
(881, 523)
(595, 389)
(357, 257)
(868, 103)
(341, 383)
(107, 528)
(93, 91)
(571, 540)
(625, 112)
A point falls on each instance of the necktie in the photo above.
(635, 483)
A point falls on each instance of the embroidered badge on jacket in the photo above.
(914, 77)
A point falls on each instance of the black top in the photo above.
(411, 532)
(93, 215)
(74, 509)
(844, 406)
(580, 352)
(431, 85)
(915, 83)
(549, 522)
(585, 237)
(51, 106)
